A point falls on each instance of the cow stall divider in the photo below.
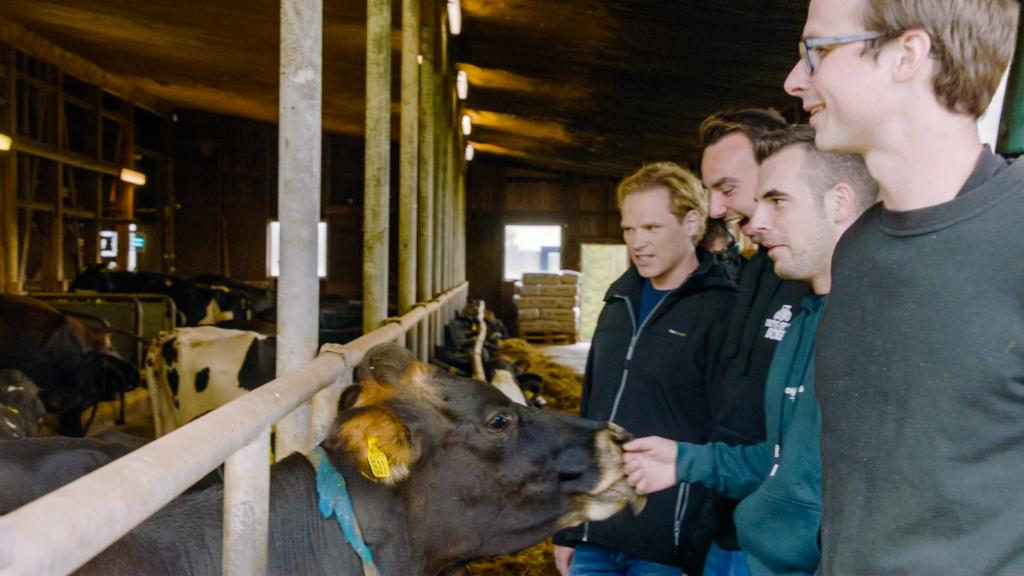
(61, 531)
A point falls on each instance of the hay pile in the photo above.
(536, 561)
(562, 389)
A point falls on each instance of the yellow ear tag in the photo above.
(378, 460)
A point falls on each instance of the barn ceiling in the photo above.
(593, 86)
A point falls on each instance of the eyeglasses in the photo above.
(807, 45)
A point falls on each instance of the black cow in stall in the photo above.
(74, 366)
(198, 305)
(469, 474)
(261, 301)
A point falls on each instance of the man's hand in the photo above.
(650, 463)
(563, 557)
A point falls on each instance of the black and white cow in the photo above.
(197, 304)
(191, 371)
(470, 474)
(73, 365)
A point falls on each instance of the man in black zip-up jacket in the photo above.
(650, 370)
(765, 307)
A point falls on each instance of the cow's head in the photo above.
(478, 475)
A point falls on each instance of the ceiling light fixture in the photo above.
(133, 177)
(470, 152)
(5, 142)
(462, 85)
(467, 125)
(454, 17)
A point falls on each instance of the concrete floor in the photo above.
(571, 355)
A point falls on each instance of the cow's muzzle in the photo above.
(612, 492)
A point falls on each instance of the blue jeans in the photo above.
(589, 559)
(725, 563)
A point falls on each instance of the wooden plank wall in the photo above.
(226, 187)
(501, 193)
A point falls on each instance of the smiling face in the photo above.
(794, 222)
(729, 171)
(846, 96)
(660, 244)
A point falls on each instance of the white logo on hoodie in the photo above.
(777, 325)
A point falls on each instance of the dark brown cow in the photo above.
(471, 474)
(73, 365)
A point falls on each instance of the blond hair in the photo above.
(686, 192)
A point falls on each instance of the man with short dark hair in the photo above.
(648, 371)
(807, 199)
(764, 309)
(920, 359)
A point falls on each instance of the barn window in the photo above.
(532, 249)
(274, 249)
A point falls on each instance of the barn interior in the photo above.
(563, 100)
(151, 137)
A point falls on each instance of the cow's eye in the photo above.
(498, 423)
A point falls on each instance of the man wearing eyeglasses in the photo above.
(920, 360)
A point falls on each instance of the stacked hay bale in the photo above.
(548, 306)
(562, 389)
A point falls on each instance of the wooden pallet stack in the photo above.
(548, 306)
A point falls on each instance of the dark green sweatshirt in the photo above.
(920, 372)
(779, 479)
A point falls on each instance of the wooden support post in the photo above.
(9, 187)
(440, 133)
(377, 192)
(425, 224)
(409, 147)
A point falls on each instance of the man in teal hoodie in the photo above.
(806, 200)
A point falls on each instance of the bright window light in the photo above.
(462, 85)
(532, 249)
(133, 258)
(467, 124)
(455, 17)
(470, 152)
(274, 249)
(108, 243)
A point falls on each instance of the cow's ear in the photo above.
(374, 439)
(349, 397)
(385, 363)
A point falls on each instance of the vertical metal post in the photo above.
(460, 220)
(247, 509)
(408, 172)
(440, 134)
(428, 119)
(378, 163)
(298, 203)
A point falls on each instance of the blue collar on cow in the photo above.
(334, 499)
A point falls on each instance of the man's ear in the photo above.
(911, 54)
(692, 220)
(375, 440)
(841, 204)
